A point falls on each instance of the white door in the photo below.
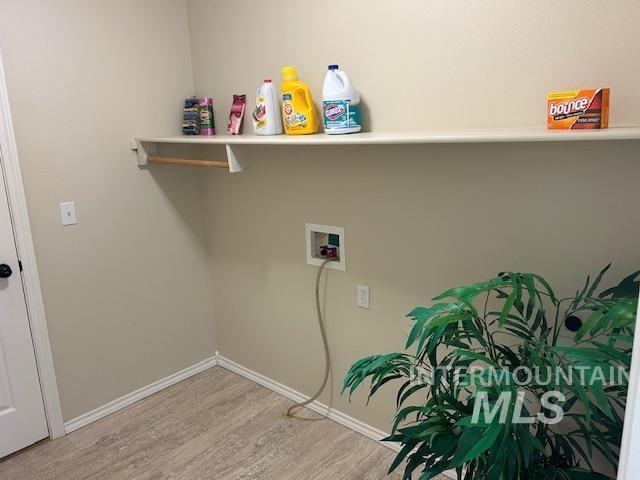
(22, 418)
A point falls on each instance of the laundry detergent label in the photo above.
(259, 114)
(341, 114)
(292, 119)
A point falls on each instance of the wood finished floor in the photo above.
(214, 426)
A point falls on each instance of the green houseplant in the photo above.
(509, 324)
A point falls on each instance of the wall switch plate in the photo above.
(363, 296)
(68, 213)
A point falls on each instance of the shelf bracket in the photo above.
(236, 158)
(143, 150)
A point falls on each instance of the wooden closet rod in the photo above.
(190, 162)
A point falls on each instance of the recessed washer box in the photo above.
(322, 235)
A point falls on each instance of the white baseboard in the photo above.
(320, 408)
(130, 398)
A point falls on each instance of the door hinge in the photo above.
(20, 264)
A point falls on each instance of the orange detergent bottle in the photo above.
(299, 115)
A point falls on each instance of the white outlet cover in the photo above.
(68, 213)
(310, 230)
(363, 296)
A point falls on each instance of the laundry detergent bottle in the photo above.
(266, 115)
(299, 114)
(340, 103)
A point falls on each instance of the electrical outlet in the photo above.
(363, 296)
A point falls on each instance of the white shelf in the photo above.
(148, 145)
(498, 135)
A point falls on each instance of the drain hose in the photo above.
(327, 357)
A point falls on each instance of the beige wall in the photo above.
(127, 291)
(417, 219)
(455, 215)
(425, 63)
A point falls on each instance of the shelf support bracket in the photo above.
(143, 150)
(236, 158)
